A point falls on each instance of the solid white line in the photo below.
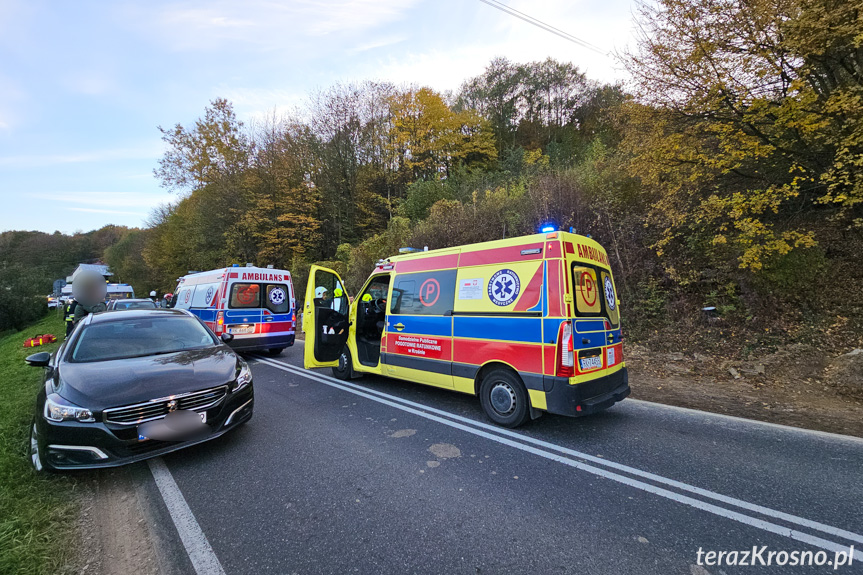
(801, 521)
(689, 410)
(200, 552)
(423, 411)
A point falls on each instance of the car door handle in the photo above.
(585, 341)
(399, 326)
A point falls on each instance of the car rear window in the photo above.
(139, 337)
(134, 305)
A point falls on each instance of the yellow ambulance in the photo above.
(528, 324)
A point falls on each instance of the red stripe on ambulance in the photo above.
(501, 255)
(522, 356)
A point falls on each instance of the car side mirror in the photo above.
(41, 359)
(225, 337)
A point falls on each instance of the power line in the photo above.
(540, 24)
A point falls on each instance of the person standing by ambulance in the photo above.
(69, 315)
(89, 290)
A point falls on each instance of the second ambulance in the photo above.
(528, 324)
(255, 305)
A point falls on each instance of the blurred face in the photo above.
(89, 288)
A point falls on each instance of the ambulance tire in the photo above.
(504, 398)
(344, 370)
(275, 351)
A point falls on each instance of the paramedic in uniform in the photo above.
(321, 297)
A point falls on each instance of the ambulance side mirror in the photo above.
(226, 337)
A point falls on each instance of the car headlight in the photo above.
(244, 377)
(58, 409)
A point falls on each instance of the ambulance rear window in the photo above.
(245, 295)
(595, 295)
(278, 298)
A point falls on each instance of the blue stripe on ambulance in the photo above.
(594, 338)
(521, 329)
(421, 325)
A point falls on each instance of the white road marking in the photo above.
(200, 552)
(498, 435)
(710, 414)
(801, 521)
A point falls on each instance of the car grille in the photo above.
(157, 408)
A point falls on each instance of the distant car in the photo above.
(122, 304)
(53, 302)
(129, 386)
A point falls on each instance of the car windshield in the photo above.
(139, 337)
(134, 305)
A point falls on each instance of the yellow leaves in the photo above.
(429, 137)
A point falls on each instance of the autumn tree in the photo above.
(430, 139)
(747, 129)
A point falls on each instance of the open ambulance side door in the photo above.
(325, 318)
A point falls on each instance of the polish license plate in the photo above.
(203, 415)
(594, 362)
(240, 329)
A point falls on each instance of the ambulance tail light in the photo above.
(565, 351)
(220, 322)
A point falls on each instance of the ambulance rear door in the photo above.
(325, 320)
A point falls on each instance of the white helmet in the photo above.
(320, 291)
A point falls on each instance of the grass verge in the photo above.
(38, 515)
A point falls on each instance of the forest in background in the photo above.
(729, 173)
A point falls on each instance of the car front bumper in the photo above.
(74, 445)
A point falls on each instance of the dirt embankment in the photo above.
(114, 537)
(797, 385)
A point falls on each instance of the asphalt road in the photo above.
(381, 476)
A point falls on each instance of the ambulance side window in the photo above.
(425, 293)
(245, 295)
(205, 295)
(183, 298)
(278, 298)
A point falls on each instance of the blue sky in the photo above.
(83, 85)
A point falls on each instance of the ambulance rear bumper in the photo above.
(587, 397)
(261, 343)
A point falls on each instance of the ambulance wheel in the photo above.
(344, 369)
(504, 398)
(275, 351)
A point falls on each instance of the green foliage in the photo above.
(22, 297)
(421, 195)
(37, 514)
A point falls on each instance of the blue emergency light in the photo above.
(548, 228)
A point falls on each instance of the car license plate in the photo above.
(203, 415)
(240, 329)
(594, 362)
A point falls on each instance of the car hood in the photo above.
(103, 384)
